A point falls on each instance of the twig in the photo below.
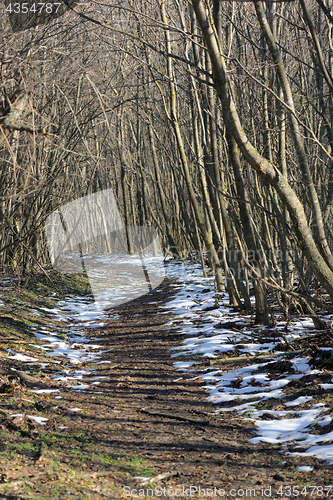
(287, 342)
(159, 477)
(200, 412)
(176, 417)
(275, 286)
(255, 358)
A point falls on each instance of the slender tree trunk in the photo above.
(264, 168)
(319, 230)
(186, 172)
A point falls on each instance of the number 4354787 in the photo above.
(38, 8)
(294, 491)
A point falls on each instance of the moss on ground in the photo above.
(72, 459)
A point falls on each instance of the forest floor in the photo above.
(144, 419)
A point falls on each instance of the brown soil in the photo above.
(129, 427)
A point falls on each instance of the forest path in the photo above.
(128, 428)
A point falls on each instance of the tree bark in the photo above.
(264, 168)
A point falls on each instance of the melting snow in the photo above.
(39, 420)
(304, 468)
(197, 317)
(45, 391)
(299, 401)
(20, 357)
(323, 452)
(185, 364)
(250, 383)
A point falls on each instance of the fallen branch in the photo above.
(30, 481)
(8, 423)
(16, 483)
(21, 375)
(287, 342)
(159, 477)
(255, 358)
(176, 417)
(200, 412)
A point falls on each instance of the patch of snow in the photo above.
(185, 364)
(79, 387)
(45, 391)
(304, 468)
(299, 401)
(323, 452)
(251, 384)
(39, 420)
(19, 356)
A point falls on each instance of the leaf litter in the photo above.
(267, 394)
(188, 303)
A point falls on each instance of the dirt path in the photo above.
(128, 428)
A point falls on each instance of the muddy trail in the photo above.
(147, 431)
